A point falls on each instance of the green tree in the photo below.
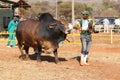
(26, 0)
(89, 9)
(79, 8)
(41, 7)
(66, 9)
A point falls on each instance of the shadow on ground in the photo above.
(77, 58)
(46, 58)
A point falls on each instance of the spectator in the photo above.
(11, 29)
(117, 25)
(106, 25)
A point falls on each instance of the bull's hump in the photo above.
(46, 17)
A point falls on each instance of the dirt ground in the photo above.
(104, 62)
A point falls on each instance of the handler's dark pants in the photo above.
(86, 43)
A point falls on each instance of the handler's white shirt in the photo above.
(85, 24)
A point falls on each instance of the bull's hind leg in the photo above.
(56, 56)
(22, 56)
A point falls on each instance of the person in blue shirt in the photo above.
(106, 25)
(11, 31)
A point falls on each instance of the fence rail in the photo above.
(110, 37)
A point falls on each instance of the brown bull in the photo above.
(43, 34)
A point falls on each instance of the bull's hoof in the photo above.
(57, 61)
(22, 57)
(27, 58)
(38, 60)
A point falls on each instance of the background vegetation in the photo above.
(105, 9)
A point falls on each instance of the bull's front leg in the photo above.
(56, 56)
(39, 49)
(39, 57)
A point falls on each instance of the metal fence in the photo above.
(110, 37)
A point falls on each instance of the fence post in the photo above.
(111, 36)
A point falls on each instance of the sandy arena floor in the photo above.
(104, 62)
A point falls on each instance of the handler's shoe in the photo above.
(8, 46)
(82, 63)
(87, 64)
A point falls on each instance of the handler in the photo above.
(86, 28)
(11, 29)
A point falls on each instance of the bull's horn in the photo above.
(52, 25)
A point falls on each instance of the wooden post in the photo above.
(73, 12)
(111, 36)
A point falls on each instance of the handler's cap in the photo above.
(85, 12)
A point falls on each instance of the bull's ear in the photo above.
(52, 25)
